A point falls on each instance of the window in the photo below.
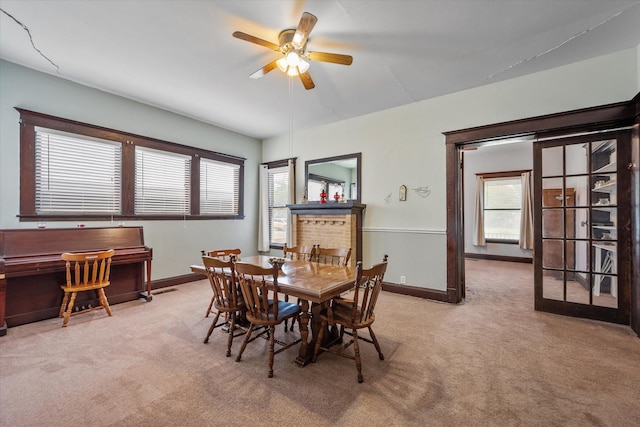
(278, 185)
(218, 187)
(65, 185)
(502, 204)
(71, 170)
(163, 182)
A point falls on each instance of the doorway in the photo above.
(589, 120)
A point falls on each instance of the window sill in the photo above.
(503, 241)
(118, 218)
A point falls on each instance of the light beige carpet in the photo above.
(490, 361)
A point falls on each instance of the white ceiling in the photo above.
(180, 55)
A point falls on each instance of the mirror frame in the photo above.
(357, 156)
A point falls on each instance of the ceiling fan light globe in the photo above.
(303, 66)
(282, 64)
(293, 59)
(292, 71)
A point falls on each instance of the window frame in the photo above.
(275, 165)
(29, 120)
(494, 176)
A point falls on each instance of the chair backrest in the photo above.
(224, 254)
(88, 269)
(254, 282)
(332, 256)
(222, 277)
(367, 287)
(303, 253)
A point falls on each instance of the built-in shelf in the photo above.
(611, 167)
(609, 187)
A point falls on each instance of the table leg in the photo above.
(304, 355)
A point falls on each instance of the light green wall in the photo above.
(176, 244)
(399, 146)
(405, 145)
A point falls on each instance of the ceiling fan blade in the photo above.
(306, 80)
(306, 24)
(334, 58)
(264, 70)
(248, 37)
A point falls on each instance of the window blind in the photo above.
(162, 184)
(76, 174)
(219, 187)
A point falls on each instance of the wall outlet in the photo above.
(403, 280)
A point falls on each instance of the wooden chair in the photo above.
(262, 310)
(225, 255)
(303, 253)
(226, 296)
(86, 271)
(332, 256)
(357, 314)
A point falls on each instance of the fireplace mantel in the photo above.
(329, 208)
(330, 225)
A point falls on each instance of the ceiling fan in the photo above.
(293, 45)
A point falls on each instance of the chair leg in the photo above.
(319, 341)
(286, 321)
(272, 337)
(67, 313)
(210, 305)
(103, 301)
(356, 351)
(212, 327)
(375, 342)
(244, 343)
(232, 327)
(64, 304)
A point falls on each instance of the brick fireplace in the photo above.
(330, 225)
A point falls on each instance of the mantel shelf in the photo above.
(329, 208)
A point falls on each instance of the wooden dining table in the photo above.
(310, 282)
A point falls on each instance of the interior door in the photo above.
(582, 223)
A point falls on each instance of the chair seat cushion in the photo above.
(285, 310)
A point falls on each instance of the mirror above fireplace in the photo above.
(341, 174)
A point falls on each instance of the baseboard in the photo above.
(176, 280)
(415, 292)
(388, 287)
(499, 258)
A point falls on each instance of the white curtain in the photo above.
(526, 217)
(478, 224)
(263, 213)
(291, 200)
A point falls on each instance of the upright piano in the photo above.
(31, 270)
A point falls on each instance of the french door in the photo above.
(582, 226)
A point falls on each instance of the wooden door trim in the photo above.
(582, 120)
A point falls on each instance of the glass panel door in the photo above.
(578, 214)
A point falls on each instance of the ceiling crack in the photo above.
(31, 39)
(561, 44)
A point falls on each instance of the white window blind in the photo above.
(278, 199)
(76, 174)
(502, 204)
(162, 182)
(219, 187)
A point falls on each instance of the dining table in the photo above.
(314, 284)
